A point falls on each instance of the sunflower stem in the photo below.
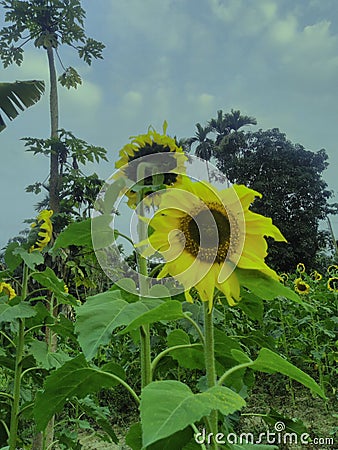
(209, 358)
(13, 431)
(143, 274)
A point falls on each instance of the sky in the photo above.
(181, 61)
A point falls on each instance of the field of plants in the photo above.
(190, 302)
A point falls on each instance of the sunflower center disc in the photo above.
(212, 228)
(154, 154)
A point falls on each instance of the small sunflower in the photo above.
(301, 287)
(147, 156)
(203, 234)
(284, 277)
(44, 229)
(332, 284)
(7, 289)
(332, 270)
(316, 276)
(300, 268)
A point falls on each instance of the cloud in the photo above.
(246, 19)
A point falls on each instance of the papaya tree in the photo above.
(48, 24)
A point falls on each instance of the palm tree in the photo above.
(18, 96)
(235, 120)
(224, 124)
(219, 126)
(205, 146)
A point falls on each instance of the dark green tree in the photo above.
(294, 192)
(48, 24)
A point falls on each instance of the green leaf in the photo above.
(176, 441)
(291, 425)
(263, 286)
(134, 437)
(190, 358)
(31, 259)
(74, 378)
(77, 233)
(107, 206)
(80, 233)
(224, 344)
(12, 261)
(251, 305)
(100, 415)
(44, 358)
(169, 406)
(102, 314)
(70, 78)
(20, 311)
(102, 233)
(15, 96)
(65, 328)
(170, 310)
(50, 281)
(270, 362)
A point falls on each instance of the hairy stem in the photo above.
(209, 357)
(13, 430)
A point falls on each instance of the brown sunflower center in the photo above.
(157, 155)
(207, 234)
(301, 287)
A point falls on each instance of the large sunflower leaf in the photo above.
(270, 362)
(169, 406)
(102, 314)
(191, 358)
(263, 286)
(46, 359)
(74, 378)
(20, 311)
(18, 95)
(170, 310)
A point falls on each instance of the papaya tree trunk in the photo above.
(45, 441)
(54, 182)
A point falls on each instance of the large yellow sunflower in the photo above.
(203, 234)
(149, 155)
(44, 228)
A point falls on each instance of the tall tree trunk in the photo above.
(54, 182)
(45, 440)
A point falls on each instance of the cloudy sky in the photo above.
(182, 60)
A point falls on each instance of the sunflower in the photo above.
(332, 284)
(147, 156)
(316, 276)
(284, 277)
(301, 287)
(332, 270)
(44, 229)
(300, 268)
(7, 290)
(203, 234)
